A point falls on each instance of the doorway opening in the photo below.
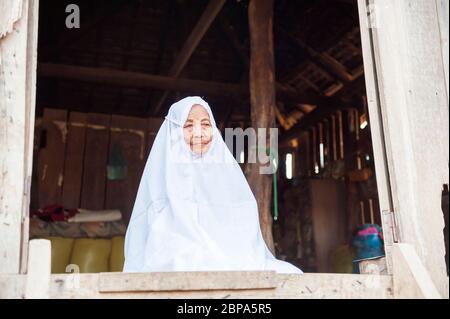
(103, 90)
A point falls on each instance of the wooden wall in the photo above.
(72, 156)
(328, 219)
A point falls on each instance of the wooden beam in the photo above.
(312, 118)
(236, 44)
(143, 80)
(50, 166)
(203, 24)
(169, 20)
(322, 59)
(327, 108)
(135, 79)
(229, 32)
(262, 97)
(283, 92)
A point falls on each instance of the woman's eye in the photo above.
(188, 126)
(206, 124)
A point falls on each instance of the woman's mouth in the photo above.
(199, 144)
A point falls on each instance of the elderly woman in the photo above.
(194, 209)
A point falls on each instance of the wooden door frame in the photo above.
(377, 129)
(408, 106)
(380, 111)
(18, 62)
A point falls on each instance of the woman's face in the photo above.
(197, 129)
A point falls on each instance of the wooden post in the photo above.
(18, 42)
(262, 96)
(39, 270)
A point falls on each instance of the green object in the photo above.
(275, 185)
(342, 259)
(275, 190)
(117, 167)
(275, 197)
(117, 258)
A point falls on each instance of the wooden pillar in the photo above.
(18, 43)
(262, 96)
(37, 284)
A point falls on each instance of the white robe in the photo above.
(195, 212)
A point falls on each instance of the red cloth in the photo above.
(54, 213)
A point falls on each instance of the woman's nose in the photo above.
(197, 130)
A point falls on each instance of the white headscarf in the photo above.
(195, 212)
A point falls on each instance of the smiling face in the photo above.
(197, 130)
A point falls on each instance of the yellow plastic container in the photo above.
(342, 259)
(61, 252)
(117, 257)
(91, 255)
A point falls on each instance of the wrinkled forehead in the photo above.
(179, 111)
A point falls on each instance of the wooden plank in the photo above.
(182, 281)
(30, 107)
(334, 286)
(128, 135)
(411, 278)
(329, 223)
(303, 154)
(51, 156)
(95, 159)
(373, 266)
(34, 200)
(74, 159)
(39, 269)
(13, 127)
(377, 132)
(443, 9)
(153, 126)
(307, 286)
(12, 286)
(11, 11)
